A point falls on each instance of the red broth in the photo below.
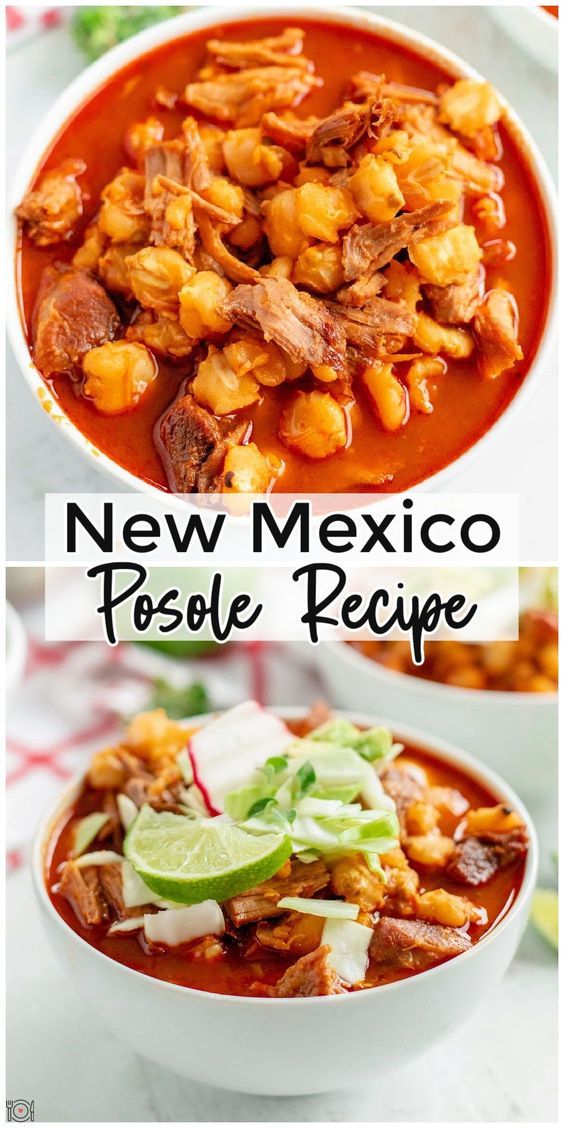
(466, 407)
(235, 973)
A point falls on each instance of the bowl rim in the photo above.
(460, 693)
(84, 86)
(435, 746)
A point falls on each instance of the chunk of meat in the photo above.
(225, 263)
(243, 96)
(296, 933)
(112, 886)
(365, 85)
(476, 860)
(261, 902)
(110, 880)
(282, 50)
(300, 324)
(195, 445)
(145, 789)
(404, 788)
(415, 944)
(53, 208)
(368, 247)
(366, 327)
(311, 975)
(111, 834)
(83, 891)
(172, 202)
(456, 304)
(291, 132)
(336, 134)
(196, 165)
(168, 159)
(72, 315)
(495, 328)
(365, 288)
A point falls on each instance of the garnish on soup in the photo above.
(251, 857)
(255, 272)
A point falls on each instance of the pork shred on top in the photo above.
(286, 286)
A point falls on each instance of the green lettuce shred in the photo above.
(325, 794)
(86, 831)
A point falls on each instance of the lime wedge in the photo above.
(544, 915)
(189, 861)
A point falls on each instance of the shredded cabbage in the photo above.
(180, 926)
(349, 942)
(128, 810)
(183, 761)
(133, 888)
(129, 925)
(309, 793)
(86, 831)
(98, 858)
(313, 906)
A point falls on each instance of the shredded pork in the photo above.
(302, 325)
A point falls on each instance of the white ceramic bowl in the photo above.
(514, 733)
(94, 76)
(292, 1046)
(535, 30)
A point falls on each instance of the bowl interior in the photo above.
(94, 76)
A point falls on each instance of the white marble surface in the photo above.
(501, 1066)
(523, 459)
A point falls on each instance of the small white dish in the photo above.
(291, 1047)
(535, 30)
(516, 734)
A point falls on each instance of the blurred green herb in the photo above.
(260, 806)
(97, 29)
(304, 779)
(177, 648)
(187, 701)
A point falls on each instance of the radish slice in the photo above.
(179, 926)
(225, 753)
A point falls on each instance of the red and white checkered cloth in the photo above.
(26, 21)
(74, 697)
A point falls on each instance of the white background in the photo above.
(522, 460)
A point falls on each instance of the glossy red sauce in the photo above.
(236, 974)
(466, 405)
